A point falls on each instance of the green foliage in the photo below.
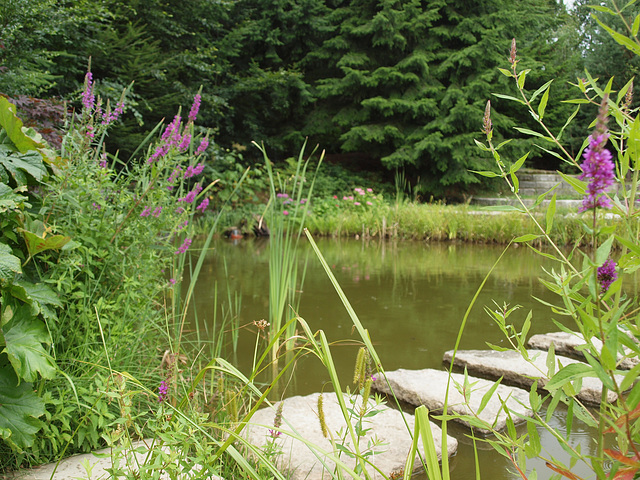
(591, 299)
(27, 307)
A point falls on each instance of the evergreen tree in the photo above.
(262, 79)
(410, 80)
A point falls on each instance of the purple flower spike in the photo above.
(184, 247)
(88, 98)
(163, 390)
(184, 144)
(203, 146)
(597, 167)
(607, 275)
(203, 205)
(194, 108)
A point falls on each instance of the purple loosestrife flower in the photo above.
(163, 390)
(156, 212)
(88, 98)
(203, 205)
(174, 175)
(110, 117)
(184, 247)
(146, 212)
(184, 144)
(193, 171)
(607, 274)
(277, 422)
(597, 167)
(191, 196)
(171, 129)
(195, 108)
(203, 146)
(160, 152)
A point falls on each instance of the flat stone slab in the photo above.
(74, 467)
(300, 416)
(571, 344)
(428, 387)
(515, 370)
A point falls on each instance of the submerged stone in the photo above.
(428, 387)
(515, 370)
(571, 345)
(305, 452)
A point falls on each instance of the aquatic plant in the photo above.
(589, 284)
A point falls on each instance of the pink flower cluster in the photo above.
(191, 196)
(184, 247)
(357, 200)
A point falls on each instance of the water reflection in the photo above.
(411, 297)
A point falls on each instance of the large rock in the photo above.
(428, 387)
(571, 345)
(517, 371)
(300, 416)
(75, 467)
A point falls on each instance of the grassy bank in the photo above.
(438, 222)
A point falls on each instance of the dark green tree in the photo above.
(407, 81)
(263, 79)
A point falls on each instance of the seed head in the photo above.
(512, 54)
(486, 122)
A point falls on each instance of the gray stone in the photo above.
(300, 419)
(90, 466)
(515, 370)
(428, 387)
(571, 344)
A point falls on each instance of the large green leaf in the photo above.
(20, 408)
(9, 199)
(24, 336)
(13, 126)
(37, 244)
(9, 264)
(39, 296)
(22, 165)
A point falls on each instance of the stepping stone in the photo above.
(570, 344)
(428, 387)
(74, 467)
(517, 371)
(300, 415)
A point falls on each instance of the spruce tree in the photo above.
(407, 81)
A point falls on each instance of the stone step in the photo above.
(131, 460)
(539, 185)
(300, 419)
(428, 387)
(540, 177)
(571, 345)
(515, 370)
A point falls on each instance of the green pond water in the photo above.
(410, 296)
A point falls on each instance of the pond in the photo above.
(411, 296)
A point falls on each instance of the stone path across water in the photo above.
(517, 371)
(300, 414)
(428, 387)
(570, 344)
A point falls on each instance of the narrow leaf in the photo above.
(543, 103)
